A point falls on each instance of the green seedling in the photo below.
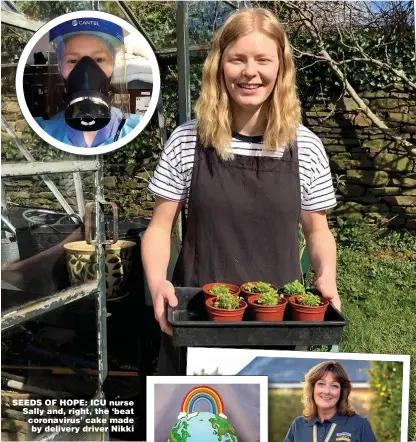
(227, 301)
(293, 288)
(310, 300)
(258, 287)
(269, 298)
(220, 290)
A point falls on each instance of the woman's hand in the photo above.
(328, 288)
(163, 294)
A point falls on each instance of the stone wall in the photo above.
(374, 177)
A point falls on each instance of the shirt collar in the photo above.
(247, 138)
(77, 137)
(313, 421)
(336, 419)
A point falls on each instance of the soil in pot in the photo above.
(267, 313)
(207, 289)
(224, 315)
(308, 313)
(262, 288)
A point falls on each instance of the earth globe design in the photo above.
(202, 426)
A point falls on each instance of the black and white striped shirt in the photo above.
(173, 173)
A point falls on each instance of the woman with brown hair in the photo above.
(327, 414)
(247, 170)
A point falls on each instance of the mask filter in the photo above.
(87, 107)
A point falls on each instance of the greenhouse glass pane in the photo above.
(13, 41)
(33, 256)
(113, 8)
(206, 17)
(158, 19)
(48, 10)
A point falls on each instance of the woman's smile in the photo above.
(249, 89)
(326, 398)
(249, 86)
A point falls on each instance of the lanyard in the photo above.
(328, 437)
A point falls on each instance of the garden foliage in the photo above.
(386, 384)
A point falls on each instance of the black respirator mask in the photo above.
(88, 106)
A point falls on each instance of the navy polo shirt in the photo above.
(348, 429)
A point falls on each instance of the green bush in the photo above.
(356, 233)
(284, 407)
(386, 383)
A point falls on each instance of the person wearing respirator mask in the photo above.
(85, 53)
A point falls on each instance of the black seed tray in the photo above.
(192, 328)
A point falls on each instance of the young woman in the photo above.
(327, 414)
(85, 52)
(247, 170)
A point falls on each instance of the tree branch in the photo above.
(309, 65)
(306, 54)
(323, 53)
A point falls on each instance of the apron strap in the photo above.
(328, 437)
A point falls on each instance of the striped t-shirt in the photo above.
(172, 177)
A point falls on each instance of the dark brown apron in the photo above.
(242, 225)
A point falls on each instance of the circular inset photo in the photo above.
(88, 82)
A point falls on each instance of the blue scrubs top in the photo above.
(57, 128)
(348, 429)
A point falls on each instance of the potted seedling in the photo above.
(256, 287)
(293, 288)
(226, 308)
(268, 306)
(214, 289)
(308, 307)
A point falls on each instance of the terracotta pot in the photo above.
(82, 265)
(223, 315)
(307, 313)
(267, 313)
(207, 287)
(246, 294)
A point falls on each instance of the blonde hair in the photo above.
(213, 108)
(317, 373)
